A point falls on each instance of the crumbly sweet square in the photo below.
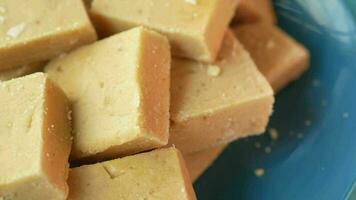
(198, 162)
(212, 104)
(23, 70)
(159, 174)
(119, 87)
(38, 30)
(250, 11)
(278, 56)
(35, 139)
(195, 29)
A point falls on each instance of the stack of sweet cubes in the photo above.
(132, 99)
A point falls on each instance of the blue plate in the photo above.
(315, 156)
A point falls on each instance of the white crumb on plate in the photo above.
(213, 70)
(300, 135)
(307, 123)
(268, 149)
(324, 102)
(259, 172)
(345, 115)
(257, 145)
(273, 133)
(15, 31)
(316, 83)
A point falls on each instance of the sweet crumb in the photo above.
(213, 70)
(15, 31)
(257, 145)
(300, 135)
(270, 44)
(345, 115)
(273, 133)
(307, 123)
(268, 149)
(193, 2)
(316, 83)
(259, 172)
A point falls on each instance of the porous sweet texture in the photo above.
(212, 107)
(159, 174)
(119, 87)
(37, 125)
(38, 30)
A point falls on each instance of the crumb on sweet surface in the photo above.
(213, 70)
(268, 149)
(16, 30)
(193, 2)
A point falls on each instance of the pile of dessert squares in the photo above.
(132, 99)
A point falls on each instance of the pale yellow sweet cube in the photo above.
(160, 174)
(38, 30)
(213, 104)
(195, 28)
(35, 139)
(119, 87)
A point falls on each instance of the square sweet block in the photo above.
(119, 87)
(195, 28)
(35, 139)
(159, 174)
(198, 162)
(216, 103)
(278, 56)
(21, 71)
(250, 11)
(38, 30)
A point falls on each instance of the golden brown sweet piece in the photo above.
(212, 104)
(159, 175)
(38, 30)
(195, 28)
(198, 162)
(21, 71)
(257, 42)
(35, 139)
(255, 11)
(119, 87)
(278, 56)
